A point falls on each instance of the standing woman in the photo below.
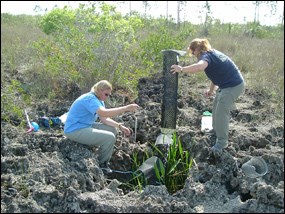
(81, 125)
(225, 78)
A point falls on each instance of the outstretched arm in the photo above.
(196, 67)
(104, 112)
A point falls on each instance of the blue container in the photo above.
(36, 126)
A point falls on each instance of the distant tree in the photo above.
(256, 10)
(38, 9)
(146, 5)
(120, 4)
(166, 10)
(208, 18)
(282, 21)
(180, 5)
(178, 12)
(271, 4)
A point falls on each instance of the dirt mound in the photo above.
(45, 172)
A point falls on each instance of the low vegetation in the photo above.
(42, 56)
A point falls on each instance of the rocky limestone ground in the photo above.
(44, 172)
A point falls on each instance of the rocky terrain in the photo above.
(44, 172)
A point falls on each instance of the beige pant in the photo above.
(223, 104)
(99, 135)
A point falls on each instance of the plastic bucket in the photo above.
(255, 167)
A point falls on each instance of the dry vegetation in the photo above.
(213, 186)
(261, 61)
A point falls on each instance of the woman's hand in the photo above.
(127, 132)
(209, 93)
(133, 107)
(176, 69)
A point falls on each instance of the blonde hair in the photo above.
(201, 45)
(100, 86)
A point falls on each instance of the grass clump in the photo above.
(171, 165)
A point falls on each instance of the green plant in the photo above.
(171, 172)
(57, 18)
(177, 166)
(24, 189)
(159, 171)
(138, 179)
(13, 100)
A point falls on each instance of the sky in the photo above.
(226, 11)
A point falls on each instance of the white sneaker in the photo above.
(210, 132)
(105, 168)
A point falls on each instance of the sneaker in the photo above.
(217, 149)
(210, 132)
(105, 168)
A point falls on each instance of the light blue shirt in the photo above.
(82, 113)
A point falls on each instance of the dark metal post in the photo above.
(169, 103)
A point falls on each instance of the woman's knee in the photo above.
(111, 138)
(111, 129)
(114, 130)
(108, 146)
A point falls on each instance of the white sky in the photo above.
(226, 11)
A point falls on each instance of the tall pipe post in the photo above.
(169, 103)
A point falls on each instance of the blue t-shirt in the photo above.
(221, 70)
(82, 113)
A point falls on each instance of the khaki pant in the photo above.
(223, 104)
(99, 135)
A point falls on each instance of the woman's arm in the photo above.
(196, 67)
(211, 90)
(111, 122)
(104, 112)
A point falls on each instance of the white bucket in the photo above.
(255, 167)
(165, 139)
(206, 123)
(63, 117)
